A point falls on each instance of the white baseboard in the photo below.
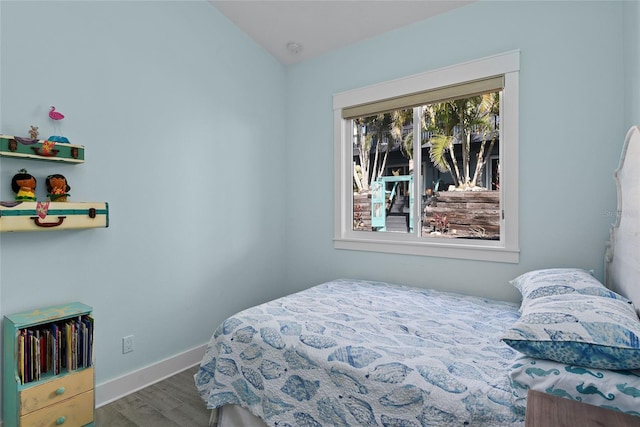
(116, 388)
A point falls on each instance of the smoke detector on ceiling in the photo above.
(294, 48)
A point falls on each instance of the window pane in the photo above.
(459, 180)
(461, 152)
(383, 172)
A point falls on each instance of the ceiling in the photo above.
(315, 27)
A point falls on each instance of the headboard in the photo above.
(622, 258)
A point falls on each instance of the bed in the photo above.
(363, 353)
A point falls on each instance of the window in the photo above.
(450, 192)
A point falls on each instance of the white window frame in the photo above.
(506, 249)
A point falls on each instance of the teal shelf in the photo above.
(13, 146)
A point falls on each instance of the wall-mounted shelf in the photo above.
(44, 216)
(14, 146)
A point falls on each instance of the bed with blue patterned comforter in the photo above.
(358, 353)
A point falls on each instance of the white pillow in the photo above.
(560, 281)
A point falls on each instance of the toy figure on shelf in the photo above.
(24, 185)
(33, 137)
(57, 188)
(56, 116)
(33, 132)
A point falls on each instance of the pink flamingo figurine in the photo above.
(55, 115)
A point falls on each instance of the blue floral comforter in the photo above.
(357, 353)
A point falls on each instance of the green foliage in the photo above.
(454, 121)
(440, 144)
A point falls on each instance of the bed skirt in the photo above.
(233, 416)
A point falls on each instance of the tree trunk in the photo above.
(356, 178)
(482, 158)
(363, 154)
(456, 177)
(374, 169)
(466, 152)
(384, 162)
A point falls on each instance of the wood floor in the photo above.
(173, 402)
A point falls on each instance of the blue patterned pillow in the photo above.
(559, 281)
(618, 390)
(576, 329)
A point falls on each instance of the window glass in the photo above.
(459, 140)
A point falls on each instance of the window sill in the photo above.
(478, 252)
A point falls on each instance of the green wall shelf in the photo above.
(14, 146)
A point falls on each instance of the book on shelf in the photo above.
(53, 348)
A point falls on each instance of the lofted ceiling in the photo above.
(297, 30)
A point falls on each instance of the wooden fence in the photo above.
(469, 214)
(362, 212)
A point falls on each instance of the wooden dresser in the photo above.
(546, 410)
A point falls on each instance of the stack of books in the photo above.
(53, 348)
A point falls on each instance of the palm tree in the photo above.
(455, 121)
(488, 127)
(401, 118)
(375, 134)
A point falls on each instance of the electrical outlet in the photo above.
(127, 344)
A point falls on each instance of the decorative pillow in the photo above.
(619, 390)
(558, 281)
(582, 330)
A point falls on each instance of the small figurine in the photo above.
(24, 185)
(57, 188)
(33, 137)
(33, 132)
(56, 116)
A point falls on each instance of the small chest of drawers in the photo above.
(48, 374)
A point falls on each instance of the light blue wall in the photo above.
(182, 118)
(632, 62)
(188, 123)
(571, 132)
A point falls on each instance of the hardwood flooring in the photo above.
(173, 402)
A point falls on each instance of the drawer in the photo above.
(74, 412)
(56, 390)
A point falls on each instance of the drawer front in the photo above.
(74, 412)
(56, 390)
